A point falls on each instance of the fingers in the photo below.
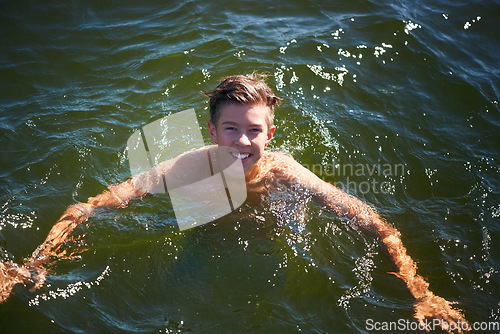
(434, 311)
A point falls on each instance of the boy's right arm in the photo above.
(117, 196)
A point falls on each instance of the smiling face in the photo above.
(243, 127)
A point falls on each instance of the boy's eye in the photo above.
(256, 130)
(231, 128)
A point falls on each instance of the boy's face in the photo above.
(244, 128)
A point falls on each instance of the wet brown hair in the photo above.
(242, 89)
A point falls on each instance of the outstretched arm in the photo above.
(427, 306)
(32, 272)
(117, 196)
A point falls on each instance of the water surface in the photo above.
(409, 88)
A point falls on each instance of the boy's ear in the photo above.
(270, 134)
(212, 131)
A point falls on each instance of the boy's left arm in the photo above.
(427, 305)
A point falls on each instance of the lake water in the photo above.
(394, 101)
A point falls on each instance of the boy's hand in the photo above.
(12, 274)
(433, 310)
(33, 273)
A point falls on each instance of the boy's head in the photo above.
(240, 89)
(241, 116)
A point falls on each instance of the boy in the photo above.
(241, 118)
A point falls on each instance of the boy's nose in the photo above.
(243, 140)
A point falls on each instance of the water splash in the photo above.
(15, 220)
(70, 290)
(363, 269)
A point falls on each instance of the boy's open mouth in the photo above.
(240, 156)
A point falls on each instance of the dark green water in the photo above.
(405, 94)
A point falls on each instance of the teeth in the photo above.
(240, 156)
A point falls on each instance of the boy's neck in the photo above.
(253, 172)
(257, 172)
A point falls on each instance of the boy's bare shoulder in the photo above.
(187, 162)
(281, 163)
(283, 167)
(190, 156)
